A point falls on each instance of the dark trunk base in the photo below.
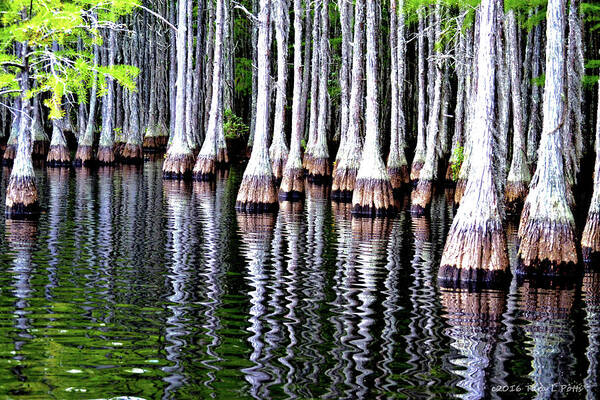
(84, 156)
(368, 211)
(548, 269)
(255, 208)
(399, 177)
(178, 166)
(154, 143)
(415, 171)
(58, 156)
(319, 179)
(450, 276)
(132, 154)
(205, 168)
(106, 155)
(292, 196)
(22, 198)
(341, 196)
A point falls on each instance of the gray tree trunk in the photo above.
(590, 240)
(547, 224)
(344, 75)
(85, 155)
(419, 157)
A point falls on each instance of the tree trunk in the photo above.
(189, 84)
(173, 65)
(534, 110)
(180, 160)
(206, 164)
(397, 165)
(590, 240)
(257, 190)
(106, 152)
(419, 157)
(40, 139)
(518, 176)
(319, 169)
(292, 183)
(58, 155)
(198, 91)
(11, 145)
(348, 163)
(254, 77)
(306, 74)
(279, 149)
(314, 87)
(475, 248)
(85, 154)
(421, 196)
(21, 193)
(373, 194)
(344, 75)
(132, 152)
(547, 224)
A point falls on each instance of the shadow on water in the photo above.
(129, 285)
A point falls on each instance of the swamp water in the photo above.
(129, 285)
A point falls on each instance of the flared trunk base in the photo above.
(415, 171)
(205, 168)
(106, 155)
(154, 143)
(399, 177)
(22, 198)
(590, 239)
(40, 149)
(84, 156)
(278, 164)
(132, 154)
(547, 247)
(474, 252)
(421, 198)
(373, 197)
(344, 180)
(516, 192)
(292, 185)
(222, 158)
(257, 194)
(319, 171)
(450, 276)
(9, 155)
(178, 166)
(58, 156)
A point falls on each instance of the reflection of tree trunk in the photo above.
(591, 291)
(475, 319)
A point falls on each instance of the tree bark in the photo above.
(534, 110)
(547, 224)
(419, 157)
(279, 149)
(373, 194)
(348, 162)
(590, 240)
(475, 248)
(344, 75)
(132, 153)
(519, 175)
(179, 160)
(58, 154)
(257, 191)
(206, 164)
(314, 87)
(292, 183)
(397, 165)
(85, 155)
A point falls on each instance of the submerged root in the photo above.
(106, 155)
(205, 168)
(9, 154)
(516, 192)
(421, 197)
(84, 156)
(344, 180)
(474, 252)
(415, 170)
(373, 197)
(257, 194)
(132, 154)
(319, 170)
(58, 156)
(22, 198)
(292, 185)
(590, 240)
(178, 166)
(399, 177)
(547, 246)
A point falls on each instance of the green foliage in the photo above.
(303, 144)
(40, 24)
(243, 76)
(459, 158)
(539, 81)
(234, 127)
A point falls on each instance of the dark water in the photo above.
(131, 286)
